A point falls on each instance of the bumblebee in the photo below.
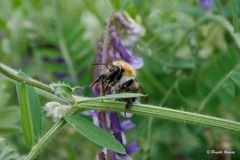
(120, 77)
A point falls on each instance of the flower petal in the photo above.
(125, 24)
(115, 123)
(207, 4)
(127, 124)
(118, 136)
(132, 147)
(135, 61)
(101, 156)
(89, 113)
(113, 155)
(124, 157)
(102, 120)
(124, 139)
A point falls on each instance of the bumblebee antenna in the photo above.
(98, 64)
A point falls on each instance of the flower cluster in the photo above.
(117, 49)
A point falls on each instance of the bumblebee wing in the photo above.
(143, 99)
(82, 91)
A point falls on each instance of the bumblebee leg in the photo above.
(97, 80)
(128, 105)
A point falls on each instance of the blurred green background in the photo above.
(187, 51)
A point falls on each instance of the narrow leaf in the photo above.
(36, 112)
(94, 133)
(26, 116)
(181, 63)
(112, 96)
(9, 119)
(235, 76)
(164, 113)
(34, 106)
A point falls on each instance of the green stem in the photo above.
(12, 74)
(151, 119)
(43, 141)
(51, 96)
(106, 39)
(164, 113)
(213, 91)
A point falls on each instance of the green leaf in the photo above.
(235, 76)
(26, 116)
(36, 112)
(9, 119)
(31, 114)
(181, 63)
(94, 133)
(229, 88)
(110, 96)
(47, 52)
(7, 152)
(62, 89)
(116, 4)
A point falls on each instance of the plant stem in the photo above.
(148, 110)
(43, 141)
(213, 91)
(106, 39)
(151, 119)
(12, 74)
(164, 113)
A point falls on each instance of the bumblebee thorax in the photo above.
(128, 70)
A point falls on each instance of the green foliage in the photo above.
(7, 152)
(9, 119)
(107, 97)
(191, 59)
(235, 76)
(31, 114)
(94, 133)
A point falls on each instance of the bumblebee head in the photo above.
(127, 69)
(114, 70)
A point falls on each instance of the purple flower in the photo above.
(101, 156)
(125, 24)
(132, 147)
(126, 125)
(110, 121)
(60, 75)
(207, 4)
(124, 53)
(115, 123)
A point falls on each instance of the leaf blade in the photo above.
(111, 96)
(94, 133)
(26, 117)
(235, 76)
(36, 112)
